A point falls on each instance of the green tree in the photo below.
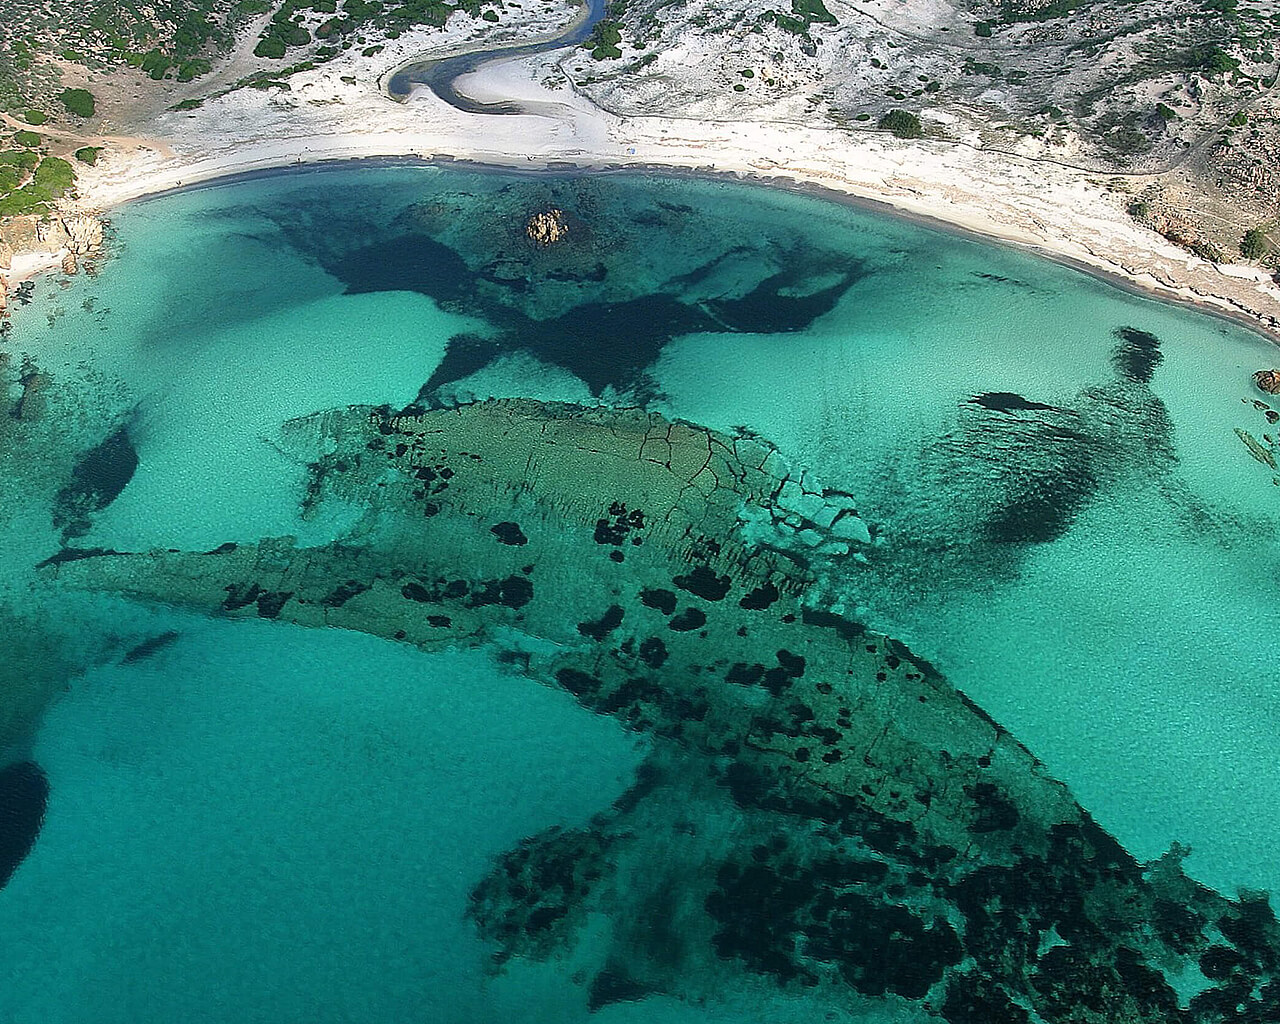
(1254, 245)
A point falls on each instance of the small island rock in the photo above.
(1268, 381)
(547, 227)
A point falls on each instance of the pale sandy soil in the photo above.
(1066, 213)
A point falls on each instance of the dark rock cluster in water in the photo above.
(820, 810)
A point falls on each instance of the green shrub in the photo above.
(35, 117)
(78, 101)
(903, 124)
(811, 11)
(862, 117)
(490, 16)
(983, 29)
(1254, 244)
(28, 139)
(1238, 120)
(270, 47)
(23, 159)
(1139, 209)
(1166, 112)
(23, 200)
(156, 64)
(193, 69)
(88, 154)
(55, 175)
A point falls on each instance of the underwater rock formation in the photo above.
(821, 808)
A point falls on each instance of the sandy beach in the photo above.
(333, 114)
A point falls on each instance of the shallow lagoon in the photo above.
(1098, 575)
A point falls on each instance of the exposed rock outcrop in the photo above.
(1268, 381)
(547, 227)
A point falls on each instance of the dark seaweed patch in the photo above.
(270, 603)
(663, 600)
(1137, 355)
(614, 984)
(75, 554)
(772, 911)
(603, 626)
(653, 652)
(689, 619)
(343, 593)
(417, 592)
(513, 592)
(769, 309)
(1007, 401)
(409, 263)
(608, 344)
(974, 999)
(1042, 506)
(24, 797)
(847, 628)
(96, 481)
(704, 583)
(742, 674)
(759, 598)
(240, 595)
(509, 533)
(580, 684)
(464, 354)
(149, 647)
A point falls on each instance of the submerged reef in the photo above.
(820, 808)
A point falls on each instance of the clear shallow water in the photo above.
(267, 791)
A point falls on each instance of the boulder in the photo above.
(69, 264)
(1268, 381)
(84, 234)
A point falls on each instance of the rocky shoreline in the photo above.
(31, 244)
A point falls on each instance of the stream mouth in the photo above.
(440, 75)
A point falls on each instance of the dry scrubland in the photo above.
(1171, 103)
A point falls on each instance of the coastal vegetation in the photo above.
(903, 124)
(30, 183)
(1254, 245)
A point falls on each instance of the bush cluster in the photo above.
(78, 101)
(903, 124)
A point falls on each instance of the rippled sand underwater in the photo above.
(434, 625)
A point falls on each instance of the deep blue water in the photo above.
(253, 821)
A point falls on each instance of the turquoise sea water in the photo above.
(253, 821)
